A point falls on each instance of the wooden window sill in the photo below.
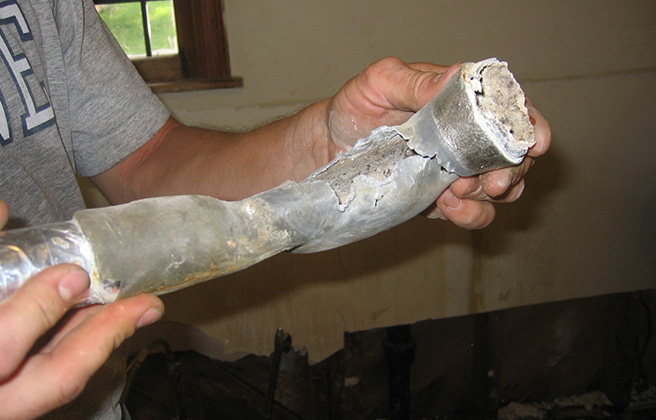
(167, 74)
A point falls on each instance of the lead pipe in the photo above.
(477, 123)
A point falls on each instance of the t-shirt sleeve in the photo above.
(113, 111)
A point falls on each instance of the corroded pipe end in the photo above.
(477, 123)
(502, 106)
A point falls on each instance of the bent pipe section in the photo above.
(477, 123)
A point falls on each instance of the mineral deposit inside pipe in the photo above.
(477, 123)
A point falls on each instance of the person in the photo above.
(71, 102)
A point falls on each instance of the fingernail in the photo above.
(73, 284)
(475, 188)
(532, 119)
(521, 189)
(151, 316)
(452, 201)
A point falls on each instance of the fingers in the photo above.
(70, 321)
(542, 132)
(85, 348)
(468, 214)
(69, 365)
(468, 202)
(34, 309)
(500, 186)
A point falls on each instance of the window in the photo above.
(174, 44)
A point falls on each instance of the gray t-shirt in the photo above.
(70, 101)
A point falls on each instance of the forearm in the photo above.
(229, 166)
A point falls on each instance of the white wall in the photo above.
(584, 227)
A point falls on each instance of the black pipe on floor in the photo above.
(399, 347)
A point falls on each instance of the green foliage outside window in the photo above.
(126, 24)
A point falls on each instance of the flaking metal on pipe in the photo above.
(477, 123)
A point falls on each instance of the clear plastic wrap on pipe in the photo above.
(477, 123)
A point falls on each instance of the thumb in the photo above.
(411, 86)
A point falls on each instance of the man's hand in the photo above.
(387, 93)
(38, 374)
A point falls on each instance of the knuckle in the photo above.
(46, 309)
(69, 384)
(480, 216)
(497, 183)
(381, 70)
(387, 63)
(119, 317)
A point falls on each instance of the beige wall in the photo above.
(584, 227)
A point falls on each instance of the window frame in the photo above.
(202, 61)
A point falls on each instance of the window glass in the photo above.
(162, 27)
(126, 22)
